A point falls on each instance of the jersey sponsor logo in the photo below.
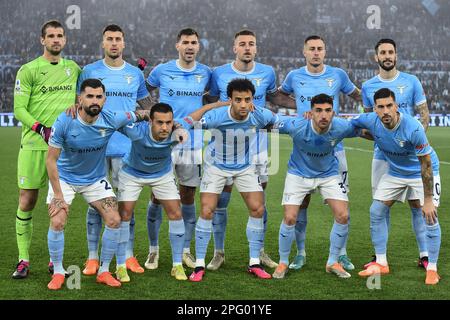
(185, 93)
(317, 155)
(67, 87)
(128, 78)
(401, 89)
(119, 94)
(87, 150)
(330, 82)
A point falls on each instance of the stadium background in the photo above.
(422, 32)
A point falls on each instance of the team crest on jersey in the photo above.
(401, 143)
(258, 81)
(330, 82)
(68, 71)
(333, 142)
(199, 78)
(129, 78)
(102, 132)
(401, 89)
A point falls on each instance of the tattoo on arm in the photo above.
(424, 115)
(142, 115)
(427, 175)
(147, 103)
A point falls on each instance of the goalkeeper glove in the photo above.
(42, 130)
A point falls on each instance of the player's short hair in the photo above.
(92, 83)
(160, 107)
(240, 85)
(314, 37)
(187, 32)
(383, 93)
(244, 32)
(113, 28)
(385, 40)
(321, 99)
(51, 24)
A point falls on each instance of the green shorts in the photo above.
(31, 169)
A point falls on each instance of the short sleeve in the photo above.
(365, 98)
(347, 86)
(213, 85)
(142, 90)
(420, 142)
(419, 93)
(272, 87)
(57, 134)
(361, 121)
(153, 77)
(83, 76)
(285, 124)
(286, 86)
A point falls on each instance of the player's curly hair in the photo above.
(240, 85)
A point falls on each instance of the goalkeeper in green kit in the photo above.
(44, 88)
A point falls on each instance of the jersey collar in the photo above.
(389, 80)
(177, 62)
(153, 139)
(316, 74)
(398, 123)
(243, 72)
(86, 123)
(114, 68)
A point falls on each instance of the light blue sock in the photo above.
(123, 242)
(130, 243)
(154, 219)
(94, 228)
(203, 230)
(419, 228)
(338, 235)
(378, 226)
(110, 242)
(343, 251)
(300, 230)
(255, 236)
(285, 239)
(433, 237)
(219, 222)
(55, 240)
(176, 236)
(188, 212)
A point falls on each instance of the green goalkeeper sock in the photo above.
(24, 231)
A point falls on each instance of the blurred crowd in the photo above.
(420, 28)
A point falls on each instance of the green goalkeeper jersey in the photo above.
(42, 91)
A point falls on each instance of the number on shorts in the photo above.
(342, 186)
(199, 170)
(107, 187)
(344, 177)
(437, 188)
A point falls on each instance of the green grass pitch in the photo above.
(406, 280)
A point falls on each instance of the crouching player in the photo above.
(313, 165)
(76, 164)
(149, 163)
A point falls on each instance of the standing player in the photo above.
(404, 144)
(312, 166)
(409, 97)
(125, 85)
(44, 88)
(230, 151)
(76, 164)
(263, 78)
(150, 163)
(182, 83)
(306, 82)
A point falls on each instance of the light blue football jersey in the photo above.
(124, 86)
(148, 158)
(408, 94)
(401, 145)
(230, 147)
(262, 76)
(183, 90)
(82, 159)
(305, 85)
(313, 154)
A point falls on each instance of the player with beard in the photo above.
(76, 164)
(410, 97)
(44, 88)
(125, 86)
